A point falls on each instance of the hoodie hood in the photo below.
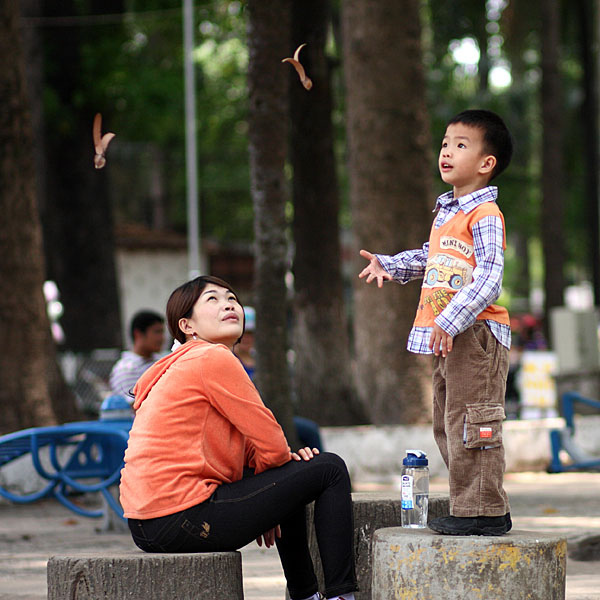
(146, 382)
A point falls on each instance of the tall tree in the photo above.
(77, 218)
(322, 374)
(268, 42)
(521, 29)
(32, 391)
(588, 14)
(390, 166)
(552, 215)
(458, 19)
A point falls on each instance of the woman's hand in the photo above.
(305, 453)
(269, 537)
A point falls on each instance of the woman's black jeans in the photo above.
(237, 513)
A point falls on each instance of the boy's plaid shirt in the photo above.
(461, 313)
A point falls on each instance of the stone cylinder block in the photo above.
(372, 510)
(411, 564)
(140, 576)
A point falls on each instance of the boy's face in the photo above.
(462, 161)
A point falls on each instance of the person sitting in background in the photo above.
(147, 331)
(307, 430)
(207, 466)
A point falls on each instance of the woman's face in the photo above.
(217, 317)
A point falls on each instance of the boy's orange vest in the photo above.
(450, 266)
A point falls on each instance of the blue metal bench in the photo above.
(77, 457)
(562, 439)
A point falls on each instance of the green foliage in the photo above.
(145, 90)
(133, 74)
(511, 33)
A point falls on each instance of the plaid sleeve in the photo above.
(407, 265)
(462, 311)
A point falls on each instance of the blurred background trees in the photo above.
(269, 35)
(32, 389)
(359, 168)
(390, 170)
(322, 367)
(74, 200)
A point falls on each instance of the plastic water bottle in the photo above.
(415, 489)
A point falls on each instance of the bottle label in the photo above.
(407, 492)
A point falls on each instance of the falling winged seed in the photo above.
(295, 62)
(100, 142)
(97, 128)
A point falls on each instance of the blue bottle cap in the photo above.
(415, 458)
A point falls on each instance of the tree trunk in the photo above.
(322, 374)
(552, 211)
(268, 42)
(483, 66)
(77, 217)
(588, 13)
(28, 370)
(521, 209)
(390, 167)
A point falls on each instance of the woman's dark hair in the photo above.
(181, 302)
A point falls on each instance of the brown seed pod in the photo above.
(100, 142)
(295, 62)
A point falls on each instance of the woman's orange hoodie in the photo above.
(199, 420)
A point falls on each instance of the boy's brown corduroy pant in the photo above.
(468, 409)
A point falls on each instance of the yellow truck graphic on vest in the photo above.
(444, 271)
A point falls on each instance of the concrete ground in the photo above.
(567, 504)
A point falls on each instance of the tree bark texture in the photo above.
(322, 369)
(521, 209)
(552, 212)
(28, 369)
(268, 43)
(588, 14)
(76, 214)
(390, 167)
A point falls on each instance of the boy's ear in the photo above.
(488, 163)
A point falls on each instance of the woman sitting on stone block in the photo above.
(208, 468)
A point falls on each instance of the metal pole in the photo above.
(193, 229)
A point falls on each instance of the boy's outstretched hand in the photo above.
(373, 270)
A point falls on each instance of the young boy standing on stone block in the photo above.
(461, 266)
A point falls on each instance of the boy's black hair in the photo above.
(144, 319)
(497, 140)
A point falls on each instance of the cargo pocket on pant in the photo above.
(483, 426)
